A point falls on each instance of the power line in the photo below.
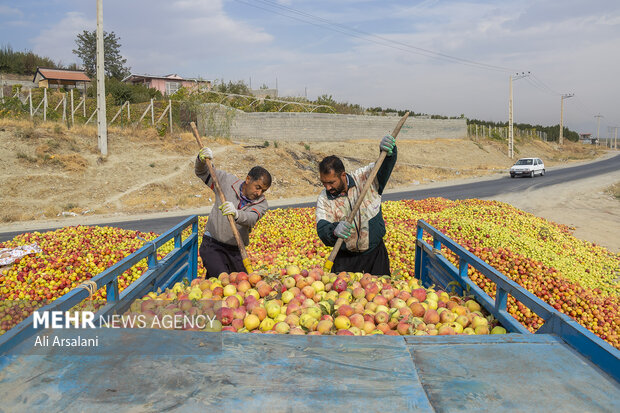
(305, 17)
(535, 85)
(583, 106)
(317, 25)
(443, 55)
(308, 18)
(544, 87)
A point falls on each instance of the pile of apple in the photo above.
(574, 276)
(71, 255)
(313, 302)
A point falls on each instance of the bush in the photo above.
(122, 92)
(162, 128)
(496, 136)
(12, 108)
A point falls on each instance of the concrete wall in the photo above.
(221, 120)
(26, 84)
(6, 85)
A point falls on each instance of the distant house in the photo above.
(587, 138)
(168, 84)
(60, 78)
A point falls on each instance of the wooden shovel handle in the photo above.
(358, 202)
(220, 195)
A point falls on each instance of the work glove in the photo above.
(343, 230)
(387, 144)
(228, 208)
(205, 153)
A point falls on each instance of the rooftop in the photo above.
(61, 74)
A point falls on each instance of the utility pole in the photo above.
(102, 123)
(615, 128)
(511, 152)
(598, 124)
(564, 96)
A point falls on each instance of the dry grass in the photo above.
(10, 212)
(73, 162)
(614, 190)
(158, 197)
(15, 123)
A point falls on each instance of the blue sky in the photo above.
(444, 57)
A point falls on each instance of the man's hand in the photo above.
(228, 208)
(205, 153)
(387, 144)
(343, 230)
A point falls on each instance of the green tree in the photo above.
(326, 100)
(87, 51)
(23, 63)
(239, 87)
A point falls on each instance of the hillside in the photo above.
(49, 171)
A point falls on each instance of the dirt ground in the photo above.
(51, 175)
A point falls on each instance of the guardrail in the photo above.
(431, 267)
(181, 262)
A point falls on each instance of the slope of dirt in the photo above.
(48, 171)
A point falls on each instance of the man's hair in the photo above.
(331, 163)
(258, 172)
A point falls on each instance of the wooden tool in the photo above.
(220, 194)
(332, 256)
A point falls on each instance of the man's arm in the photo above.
(325, 230)
(202, 171)
(249, 217)
(384, 172)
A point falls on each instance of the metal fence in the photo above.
(484, 131)
(73, 107)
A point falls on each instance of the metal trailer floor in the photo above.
(155, 370)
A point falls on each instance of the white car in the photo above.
(528, 167)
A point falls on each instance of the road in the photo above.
(490, 188)
(481, 189)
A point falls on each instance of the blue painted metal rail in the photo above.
(431, 267)
(181, 262)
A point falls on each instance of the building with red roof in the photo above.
(167, 85)
(61, 78)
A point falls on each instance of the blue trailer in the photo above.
(563, 367)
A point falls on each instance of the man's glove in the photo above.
(205, 153)
(343, 230)
(387, 144)
(228, 208)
